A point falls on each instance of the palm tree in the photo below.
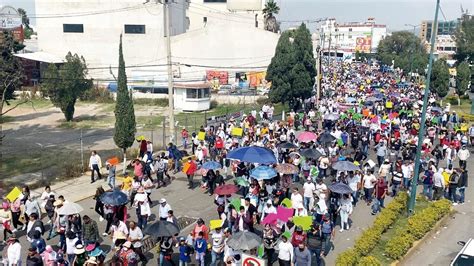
(270, 9)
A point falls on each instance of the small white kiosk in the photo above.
(192, 96)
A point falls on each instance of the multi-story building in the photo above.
(348, 38)
(444, 28)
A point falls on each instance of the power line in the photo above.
(89, 13)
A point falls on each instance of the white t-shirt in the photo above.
(136, 234)
(308, 189)
(296, 200)
(217, 242)
(369, 181)
(353, 182)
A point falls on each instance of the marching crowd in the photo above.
(356, 143)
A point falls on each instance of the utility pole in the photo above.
(167, 28)
(82, 154)
(318, 74)
(414, 184)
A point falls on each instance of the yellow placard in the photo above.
(201, 135)
(213, 224)
(237, 131)
(14, 194)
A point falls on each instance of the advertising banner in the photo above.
(363, 44)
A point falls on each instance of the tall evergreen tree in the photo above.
(463, 77)
(125, 125)
(464, 37)
(11, 71)
(292, 70)
(279, 69)
(440, 78)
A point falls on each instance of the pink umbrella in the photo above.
(307, 136)
(270, 219)
(284, 214)
(374, 120)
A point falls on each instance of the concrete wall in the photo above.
(236, 99)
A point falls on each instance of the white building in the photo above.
(347, 38)
(91, 28)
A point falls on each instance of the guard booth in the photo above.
(192, 96)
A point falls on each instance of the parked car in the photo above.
(465, 257)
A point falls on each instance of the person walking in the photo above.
(315, 242)
(135, 236)
(163, 210)
(463, 156)
(217, 242)
(200, 247)
(99, 206)
(94, 165)
(302, 256)
(327, 228)
(90, 231)
(285, 252)
(380, 192)
(190, 169)
(369, 181)
(462, 184)
(269, 243)
(111, 174)
(345, 210)
(13, 252)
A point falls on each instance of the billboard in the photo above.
(9, 18)
(363, 44)
(244, 5)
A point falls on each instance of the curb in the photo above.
(417, 243)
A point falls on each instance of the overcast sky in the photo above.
(394, 13)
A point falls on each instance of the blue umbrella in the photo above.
(345, 166)
(340, 188)
(211, 165)
(263, 172)
(253, 154)
(351, 100)
(114, 198)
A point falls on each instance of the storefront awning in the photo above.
(41, 57)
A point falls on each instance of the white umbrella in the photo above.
(70, 208)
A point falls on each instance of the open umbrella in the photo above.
(226, 189)
(340, 188)
(307, 136)
(372, 99)
(351, 100)
(114, 198)
(211, 165)
(244, 241)
(241, 181)
(332, 117)
(70, 208)
(253, 154)
(311, 153)
(286, 168)
(326, 137)
(436, 110)
(287, 145)
(345, 166)
(161, 229)
(263, 172)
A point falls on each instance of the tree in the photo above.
(405, 50)
(463, 77)
(292, 70)
(28, 31)
(440, 78)
(125, 125)
(271, 8)
(464, 37)
(280, 65)
(64, 85)
(11, 70)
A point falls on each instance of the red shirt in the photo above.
(297, 239)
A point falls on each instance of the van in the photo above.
(465, 257)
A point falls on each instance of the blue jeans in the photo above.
(428, 190)
(368, 194)
(215, 257)
(185, 143)
(306, 201)
(317, 253)
(327, 242)
(111, 181)
(395, 187)
(461, 194)
(355, 197)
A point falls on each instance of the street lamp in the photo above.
(413, 52)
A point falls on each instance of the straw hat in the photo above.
(79, 249)
(58, 202)
(91, 260)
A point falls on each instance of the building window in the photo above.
(204, 19)
(76, 28)
(197, 93)
(350, 29)
(215, 1)
(135, 29)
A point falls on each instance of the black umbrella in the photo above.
(326, 138)
(311, 153)
(244, 241)
(340, 188)
(114, 198)
(162, 229)
(287, 145)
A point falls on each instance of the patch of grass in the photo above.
(6, 119)
(37, 103)
(162, 102)
(148, 122)
(400, 223)
(86, 121)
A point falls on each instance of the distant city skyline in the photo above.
(394, 13)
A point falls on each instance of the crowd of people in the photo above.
(356, 143)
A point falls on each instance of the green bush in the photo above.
(398, 246)
(98, 95)
(385, 219)
(263, 100)
(366, 242)
(162, 102)
(213, 104)
(369, 261)
(347, 258)
(417, 227)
